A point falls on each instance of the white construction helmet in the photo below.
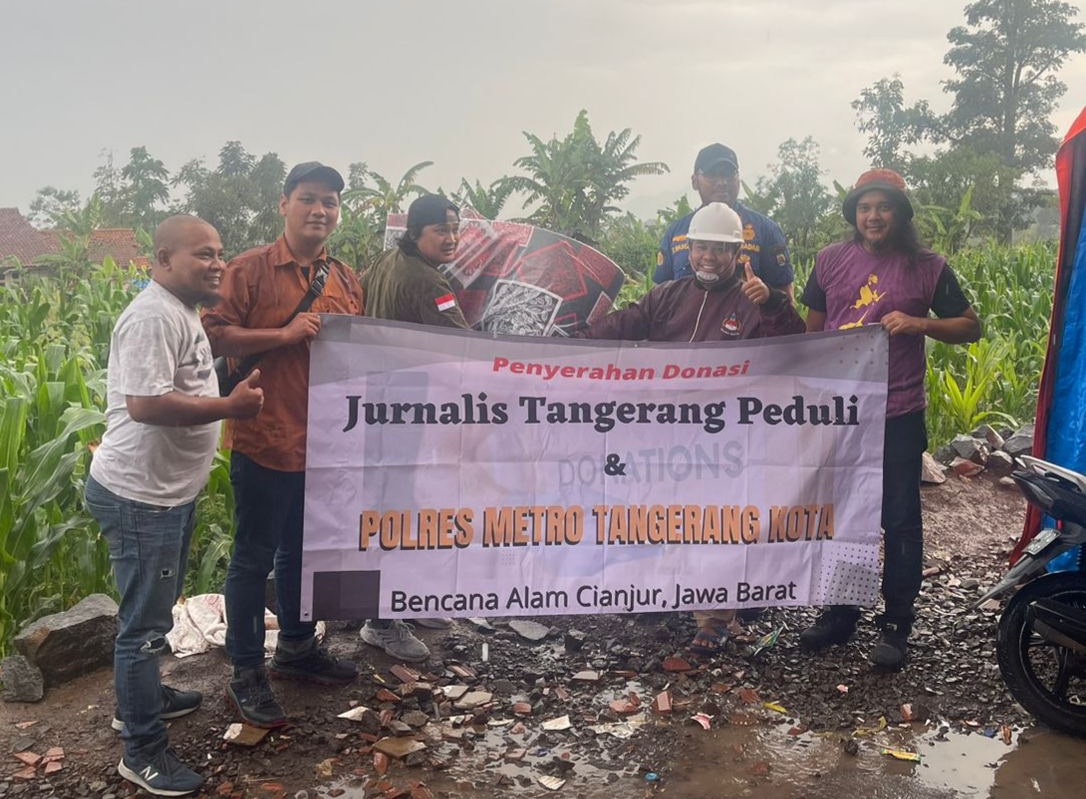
(716, 222)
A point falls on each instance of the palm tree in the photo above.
(575, 180)
(615, 169)
(556, 176)
(383, 198)
(486, 201)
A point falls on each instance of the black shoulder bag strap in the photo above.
(229, 381)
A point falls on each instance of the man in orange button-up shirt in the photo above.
(260, 290)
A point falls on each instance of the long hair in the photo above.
(409, 241)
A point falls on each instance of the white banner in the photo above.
(455, 474)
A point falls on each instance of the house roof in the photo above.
(20, 239)
(119, 242)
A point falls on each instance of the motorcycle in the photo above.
(1041, 646)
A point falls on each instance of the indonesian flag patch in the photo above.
(445, 302)
(731, 326)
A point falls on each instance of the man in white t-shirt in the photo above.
(162, 431)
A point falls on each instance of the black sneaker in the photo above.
(890, 652)
(175, 704)
(254, 700)
(835, 625)
(161, 775)
(317, 665)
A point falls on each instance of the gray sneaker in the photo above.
(396, 639)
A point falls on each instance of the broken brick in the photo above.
(662, 702)
(404, 674)
(623, 707)
(676, 664)
(29, 758)
(749, 696)
(380, 763)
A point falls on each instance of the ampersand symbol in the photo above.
(613, 467)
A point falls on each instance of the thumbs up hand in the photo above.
(247, 399)
(755, 289)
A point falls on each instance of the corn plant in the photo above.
(45, 426)
(54, 342)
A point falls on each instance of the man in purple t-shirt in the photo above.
(883, 276)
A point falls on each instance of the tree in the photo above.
(1006, 57)
(890, 125)
(382, 198)
(941, 183)
(108, 186)
(794, 194)
(50, 202)
(576, 179)
(240, 197)
(488, 201)
(370, 198)
(145, 190)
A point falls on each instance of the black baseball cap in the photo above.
(313, 170)
(715, 155)
(430, 209)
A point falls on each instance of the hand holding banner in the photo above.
(453, 474)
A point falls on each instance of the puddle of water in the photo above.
(767, 762)
(759, 762)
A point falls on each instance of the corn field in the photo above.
(54, 346)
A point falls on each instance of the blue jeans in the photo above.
(268, 516)
(149, 548)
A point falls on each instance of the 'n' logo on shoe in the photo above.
(149, 773)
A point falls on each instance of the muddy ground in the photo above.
(759, 708)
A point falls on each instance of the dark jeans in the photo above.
(149, 548)
(268, 508)
(902, 520)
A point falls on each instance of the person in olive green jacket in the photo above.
(405, 284)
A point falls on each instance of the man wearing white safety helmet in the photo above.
(720, 301)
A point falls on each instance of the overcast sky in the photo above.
(393, 83)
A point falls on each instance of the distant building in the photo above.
(23, 244)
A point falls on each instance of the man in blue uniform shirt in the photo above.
(716, 179)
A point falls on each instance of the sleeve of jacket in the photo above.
(632, 323)
(437, 305)
(665, 269)
(779, 317)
